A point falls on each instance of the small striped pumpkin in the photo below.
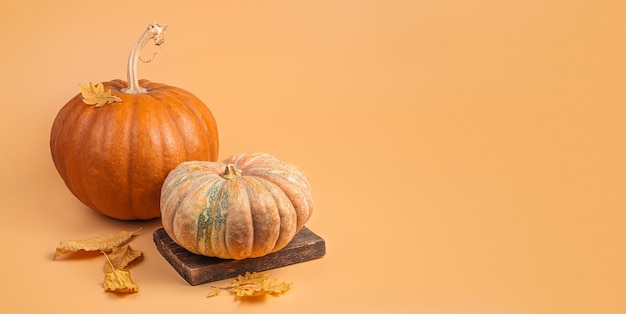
(248, 205)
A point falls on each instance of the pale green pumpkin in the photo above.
(248, 205)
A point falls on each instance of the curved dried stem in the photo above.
(154, 32)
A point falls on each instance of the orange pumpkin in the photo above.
(114, 158)
(249, 205)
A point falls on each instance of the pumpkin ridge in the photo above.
(160, 135)
(116, 86)
(200, 116)
(285, 210)
(287, 177)
(184, 233)
(64, 117)
(238, 220)
(168, 126)
(164, 124)
(218, 241)
(245, 161)
(131, 134)
(175, 105)
(102, 131)
(292, 171)
(149, 164)
(180, 176)
(205, 226)
(153, 86)
(175, 127)
(183, 105)
(85, 115)
(168, 213)
(298, 194)
(262, 242)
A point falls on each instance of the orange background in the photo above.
(465, 156)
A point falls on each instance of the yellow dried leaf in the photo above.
(96, 95)
(215, 291)
(118, 280)
(248, 284)
(103, 242)
(255, 284)
(275, 287)
(121, 256)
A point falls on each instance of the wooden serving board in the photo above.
(198, 269)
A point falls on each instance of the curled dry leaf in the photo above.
(121, 256)
(103, 242)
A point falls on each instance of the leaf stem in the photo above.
(108, 260)
(222, 288)
(153, 31)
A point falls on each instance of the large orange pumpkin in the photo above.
(114, 158)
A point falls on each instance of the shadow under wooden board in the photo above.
(198, 269)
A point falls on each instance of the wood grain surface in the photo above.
(198, 269)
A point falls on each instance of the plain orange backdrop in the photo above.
(465, 156)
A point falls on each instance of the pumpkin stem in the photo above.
(155, 32)
(231, 172)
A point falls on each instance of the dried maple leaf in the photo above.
(215, 291)
(255, 284)
(249, 284)
(252, 284)
(121, 256)
(118, 280)
(103, 242)
(275, 287)
(96, 95)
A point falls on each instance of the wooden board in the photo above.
(198, 269)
